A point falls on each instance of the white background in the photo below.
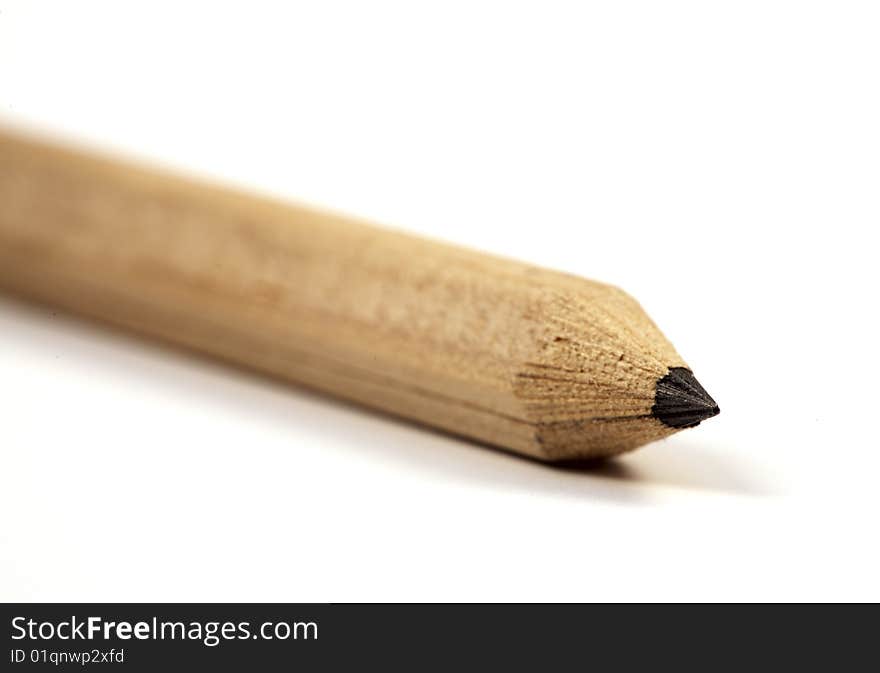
(719, 160)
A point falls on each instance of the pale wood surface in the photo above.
(539, 362)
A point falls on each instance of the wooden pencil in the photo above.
(538, 362)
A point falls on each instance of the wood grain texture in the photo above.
(538, 362)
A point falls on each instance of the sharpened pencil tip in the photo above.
(680, 400)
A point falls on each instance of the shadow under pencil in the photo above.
(675, 462)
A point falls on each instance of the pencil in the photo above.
(538, 362)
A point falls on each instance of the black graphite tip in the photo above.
(680, 400)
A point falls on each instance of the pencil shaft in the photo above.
(531, 360)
